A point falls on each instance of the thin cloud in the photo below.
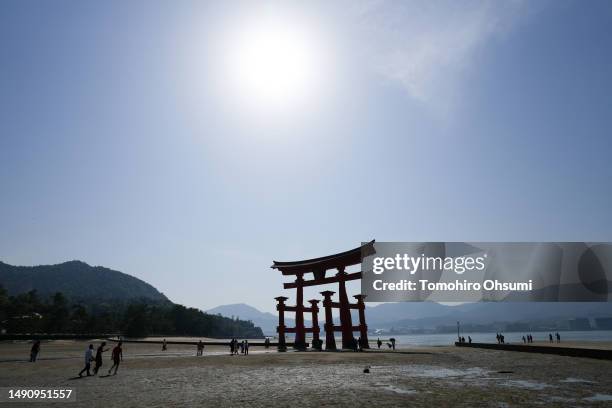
(427, 46)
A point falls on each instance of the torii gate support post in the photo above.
(330, 340)
(345, 312)
(363, 327)
(315, 324)
(282, 345)
(300, 332)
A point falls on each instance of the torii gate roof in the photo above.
(342, 259)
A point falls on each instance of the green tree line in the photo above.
(29, 313)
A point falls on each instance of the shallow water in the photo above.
(404, 340)
(575, 380)
(599, 397)
(528, 385)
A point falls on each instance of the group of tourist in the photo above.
(391, 343)
(199, 347)
(529, 338)
(116, 357)
(462, 339)
(235, 346)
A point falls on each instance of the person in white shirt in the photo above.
(88, 360)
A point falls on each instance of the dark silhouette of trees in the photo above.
(28, 313)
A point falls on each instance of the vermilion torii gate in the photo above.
(319, 267)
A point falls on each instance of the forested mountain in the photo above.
(74, 297)
(76, 280)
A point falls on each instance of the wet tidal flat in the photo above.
(433, 376)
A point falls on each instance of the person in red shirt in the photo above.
(117, 357)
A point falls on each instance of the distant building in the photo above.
(603, 323)
(579, 324)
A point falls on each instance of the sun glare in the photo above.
(273, 65)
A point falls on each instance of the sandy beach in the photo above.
(424, 376)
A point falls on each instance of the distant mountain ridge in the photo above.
(267, 321)
(76, 280)
(430, 314)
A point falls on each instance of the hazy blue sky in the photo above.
(138, 136)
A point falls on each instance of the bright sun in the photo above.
(273, 65)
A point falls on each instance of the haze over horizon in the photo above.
(192, 144)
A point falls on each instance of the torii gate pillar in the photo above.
(345, 312)
(282, 345)
(363, 327)
(315, 324)
(330, 340)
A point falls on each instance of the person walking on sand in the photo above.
(88, 359)
(558, 337)
(117, 357)
(242, 347)
(34, 351)
(470, 339)
(246, 347)
(378, 342)
(231, 344)
(200, 348)
(99, 352)
(550, 339)
(392, 340)
(164, 345)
